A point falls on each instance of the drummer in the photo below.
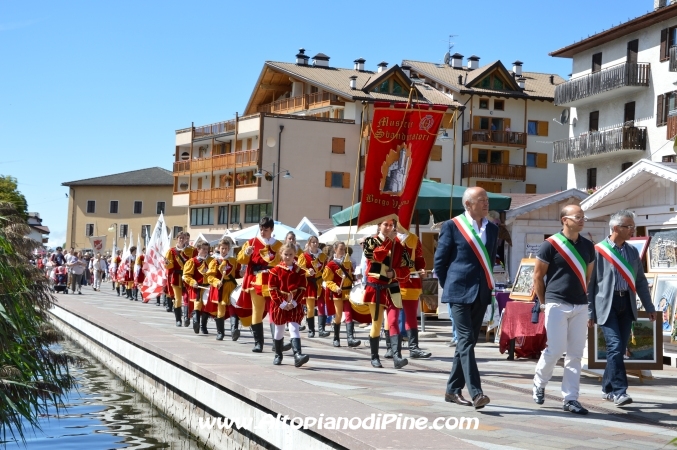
(338, 276)
(313, 261)
(221, 276)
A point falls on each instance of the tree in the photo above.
(9, 193)
(33, 377)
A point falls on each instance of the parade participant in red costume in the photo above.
(260, 254)
(195, 278)
(175, 258)
(221, 276)
(338, 276)
(115, 264)
(387, 265)
(129, 273)
(287, 285)
(290, 239)
(313, 261)
(411, 290)
(139, 276)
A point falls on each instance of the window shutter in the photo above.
(505, 157)
(436, 153)
(506, 124)
(475, 155)
(346, 180)
(447, 121)
(327, 179)
(659, 110)
(664, 56)
(542, 160)
(238, 146)
(338, 145)
(542, 128)
(530, 189)
(476, 123)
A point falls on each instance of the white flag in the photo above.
(153, 264)
(98, 243)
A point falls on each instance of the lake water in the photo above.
(104, 413)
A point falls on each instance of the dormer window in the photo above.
(486, 83)
(397, 89)
(498, 84)
(384, 86)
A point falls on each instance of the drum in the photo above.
(235, 296)
(204, 294)
(357, 294)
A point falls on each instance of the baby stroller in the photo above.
(59, 279)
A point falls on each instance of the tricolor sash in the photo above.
(616, 259)
(478, 248)
(571, 256)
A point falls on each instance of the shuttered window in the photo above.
(338, 145)
(542, 160)
(436, 153)
(660, 106)
(337, 179)
(530, 189)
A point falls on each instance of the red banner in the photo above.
(399, 147)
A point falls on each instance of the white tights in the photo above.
(293, 331)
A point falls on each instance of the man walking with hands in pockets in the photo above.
(566, 258)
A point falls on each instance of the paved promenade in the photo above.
(341, 382)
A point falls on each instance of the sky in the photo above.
(95, 88)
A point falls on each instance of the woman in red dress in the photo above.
(313, 261)
(221, 277)
(287, 286)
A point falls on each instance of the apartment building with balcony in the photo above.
(621, 96)
(505, 129)
(295, 151)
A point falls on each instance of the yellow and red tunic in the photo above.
(265, 256)
(129, 268)
(385, 254)
(338, 276)
(225, 270)
(139, 275)
(175, 259)
(286, 284)
(195, 276)
(411, 288)
(317, 262)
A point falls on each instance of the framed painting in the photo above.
(641, 244)
(523, 287)
(662, 250)
(663, 295)
(651, 279)
(645, 346)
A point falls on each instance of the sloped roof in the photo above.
(153, 176)
(537, 84)
(539, 201)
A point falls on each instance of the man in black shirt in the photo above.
(566, 260)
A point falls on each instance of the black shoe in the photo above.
(414, 351)
(311, 327)
(398, 361)
(169, 304)
(321, 320)
(177, 316)
(220, 328)
(299, 358)
(157, 301)
(196, 321)
(350, 331)
(574, 407)
(389, 348)
(481, 400)
(538, 394)
(278, 351)
(186, 318)
(457, 398)
(203, 324)
(234, 328)
(117, 289)
(373, 345)
(257, 331)
(337, 335)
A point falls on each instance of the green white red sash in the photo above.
(478, 247)
(616, 259)
(571, 256)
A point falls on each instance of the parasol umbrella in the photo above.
(433, 198)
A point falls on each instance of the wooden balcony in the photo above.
(214, 128)
(579, 91)
(673, 58)
(211, 196)
(226, 161)
(672, 124)
(596, 143)
(498, 138)
(301, 103)
(494, 171)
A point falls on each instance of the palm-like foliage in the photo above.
(32, 376)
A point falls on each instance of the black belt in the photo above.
(379, 288)
(621, 293)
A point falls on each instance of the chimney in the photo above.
(521, 82)
(301, 57)
(321, 60)
(407, 70)
(552, 79)
(517, 68)
(457, 61)
(359, 64)
(382, 66)
(353, 82)
(473, 62)
(658, 4)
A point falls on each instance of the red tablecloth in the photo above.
(530, 338)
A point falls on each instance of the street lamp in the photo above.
(270, 176)
(114, 227)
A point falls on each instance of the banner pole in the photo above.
(357, 171)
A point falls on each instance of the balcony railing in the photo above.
(215, 128)
(302, 102)
(673, 58)
(504, 138)
(620, 75)
(242, 158)
(210, 196)
(599, 143)
(494, 171)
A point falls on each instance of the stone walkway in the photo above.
(341, 382)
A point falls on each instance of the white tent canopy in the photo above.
(279, 232)
(341, 234)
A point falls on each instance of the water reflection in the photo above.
(104, 413)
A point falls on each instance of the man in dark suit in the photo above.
(463, 263)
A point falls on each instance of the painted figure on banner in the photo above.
(395, 170)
